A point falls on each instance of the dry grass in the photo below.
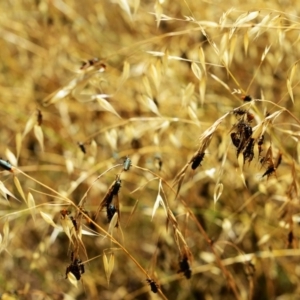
(153, 150)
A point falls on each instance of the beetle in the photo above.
(247, 98)
(89, 63)
(76, 267)
(82, 147)
(74, 223)
(5, 164)
(197, 159)
(116, 187)
(110, 210)
(153, 285)
(248, 152)
(127, 164)
(64, 213)
(185, 267)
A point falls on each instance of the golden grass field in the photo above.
(149, 149)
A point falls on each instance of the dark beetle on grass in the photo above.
(153, 285)
(5, 164)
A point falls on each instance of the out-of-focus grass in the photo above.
(169, 71)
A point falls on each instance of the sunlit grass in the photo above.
(203, 100)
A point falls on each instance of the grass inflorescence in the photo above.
(149, 150)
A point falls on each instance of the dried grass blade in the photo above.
(18, 143)
(261, 27)
(224, 45)
(220, 81)
(218, 192)
(38, 132)
(108, 266)
(126, 71)
(74, 87)
(111, 264)
(201, 55)
(31, 206)
(196, 70)
(193, 115)
(132, 212)
(48, 219)
(93, 148)
(151, 105)
(155, 72)
(180, 236)
(69, 165)
(202, 89)
(5, 239)
(258, 130)
(188, 93)
(67, 226)
(265, 238)
(5, 230)
(111, 138)
(246, 42)
(241, 168)
(125, 6)
(106, 105)
(11, 157)
(290, 89)
(29, 125)
(224, 18)
(158, 201)
(113, 223)
(274, 115)
(246, 18)
(105, 264)
(158, 12)
(72, 278)
(19, 188)
(232, 46)
(179, 181)
(267, 48)
(147, 87)
(293, 70)
(181, 174)
(2, 245)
